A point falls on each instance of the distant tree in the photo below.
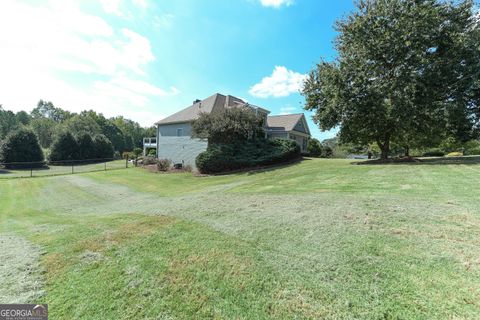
(21, 145)
(45, 129)
(405, 70)
(314, 148)
(46, 109)
(86, 147)
(80, 123)
(8, 122)
(109, 129)
(130, 129)
(23, 118)
(228, 126)
(103, 147)
(64, 147)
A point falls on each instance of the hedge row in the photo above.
(67, 147)
(227, 157)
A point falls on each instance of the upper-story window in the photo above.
(179, 132)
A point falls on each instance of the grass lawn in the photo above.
(319, 239)
(53, 170)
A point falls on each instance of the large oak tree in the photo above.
(407, 73)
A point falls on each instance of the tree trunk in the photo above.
(384, 148)
(407, 151)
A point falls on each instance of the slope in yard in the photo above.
(319, 239)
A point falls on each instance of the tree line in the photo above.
(64, 135)
(407, 75)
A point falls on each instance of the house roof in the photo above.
(285, 122)
(215, 102)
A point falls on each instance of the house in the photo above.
(174, 133)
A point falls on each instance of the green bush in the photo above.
(103, 147)
(314, 148)
(21, 145)
(227, 157)
(472, 152)
(64, 147)
(434, 153)
(86, 147)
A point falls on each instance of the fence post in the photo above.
(126, 162)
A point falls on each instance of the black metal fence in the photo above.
(52, 168)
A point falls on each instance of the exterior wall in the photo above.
(300, 126)
(170, 130)
(300, 140)
(180, 149)
(277, 135)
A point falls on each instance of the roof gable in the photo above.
(284, 122)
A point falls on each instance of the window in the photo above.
(179, 132)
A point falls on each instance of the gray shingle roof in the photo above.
(283, 122)
(193, 112)
(214, 102)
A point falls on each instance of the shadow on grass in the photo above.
(262, 169)
(466, 160)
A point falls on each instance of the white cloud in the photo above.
(112, 7)
(287, 110)
(77, 60)
(276, 3)
(281, 83)
(140, 3)
(163, 21)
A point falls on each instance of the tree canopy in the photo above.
(407, 72)
(228, 126)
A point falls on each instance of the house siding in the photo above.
(180, 149)
(300, 140)
(301, 126)
(170, 130)
(277, 135)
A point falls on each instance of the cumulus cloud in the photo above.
(56, 51)
(275, 3)
(281, 83)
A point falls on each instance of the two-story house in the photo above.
(174, 133)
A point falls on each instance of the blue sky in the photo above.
(146, 59)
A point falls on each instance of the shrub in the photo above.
(163, 164)
(21, 145)
(227, 157)
(434, 153)
(103, 147)
(117, 155)
(86, 147)
(473, 152)
(137, 151)
(314, 148)
(152, 152)
(455, 154)
(149, 161)
(64, 147)
(188, 168)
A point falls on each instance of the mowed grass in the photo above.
(319, 239)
